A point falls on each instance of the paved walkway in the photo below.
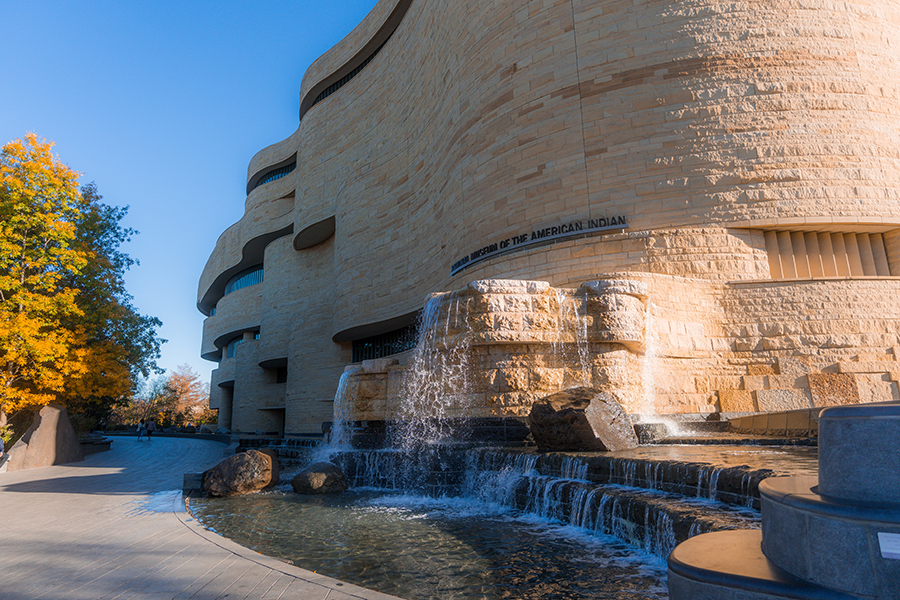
(114, 527)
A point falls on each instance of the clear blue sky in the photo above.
(162, 104)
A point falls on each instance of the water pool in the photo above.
(503, 533)
(418, 547)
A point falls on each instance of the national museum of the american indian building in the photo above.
(694, 205)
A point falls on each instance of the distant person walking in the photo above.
(151, 427)
(140, 429)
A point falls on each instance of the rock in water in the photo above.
(320, 478)
(51, 440)
(581, 419)
(242, 473)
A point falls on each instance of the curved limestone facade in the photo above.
(740, 162)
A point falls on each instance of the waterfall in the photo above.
(341, 432)
(570, 344)
(651, 519)
(436, 383)
(649, 361)
(649, 504)
(646, 408)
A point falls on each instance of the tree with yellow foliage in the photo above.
(68, 331)
(39, 201)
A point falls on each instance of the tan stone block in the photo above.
(744, 345)
(372, 387)
(872, 357)
(674, 383)
(798, 423)
(782, 400)
(577, 377)
(753, 382)
(787, 342)
(546, 302)
(481, 322)
(509, 286)
(508, 322)
(863, 367)
(877, 388)
(760, 370)
(512, 380)
(736, 401)
(485, 380)
(775, 382)
(759, 424)
(726, 383)
(777, 424)
(483, 303)
(701, 385)
(540, 322)
(833, 389)
(547, 380)
(517, 303)
(799, 365)
(379, 365)
(508, 400)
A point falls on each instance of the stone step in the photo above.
(653, 520)
(733, 485)
(836, 544)
(731, 564)
(800, 423)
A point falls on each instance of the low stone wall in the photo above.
(659, 344)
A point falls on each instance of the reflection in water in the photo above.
(784, 460)
(418, 547)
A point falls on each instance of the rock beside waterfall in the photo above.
(243, 473)
(581, 419)
(320, 478)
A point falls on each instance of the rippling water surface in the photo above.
(417, 547)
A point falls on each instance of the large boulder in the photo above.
(320, 478)
(51, 440)
(581, 419)
(243, 473)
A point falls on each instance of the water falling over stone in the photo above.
(435, 388)
(341, 432)
(570, 343)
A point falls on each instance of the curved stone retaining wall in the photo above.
(564, 142)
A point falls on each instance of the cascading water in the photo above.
(477, 523)
(436, 382)
(646, 409)
(637, 501)
(648, 363)
(570, 344)
(341, 433)
(653, 520)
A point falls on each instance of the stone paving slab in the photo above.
(114, 527)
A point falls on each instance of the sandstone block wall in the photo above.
(704, 125)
